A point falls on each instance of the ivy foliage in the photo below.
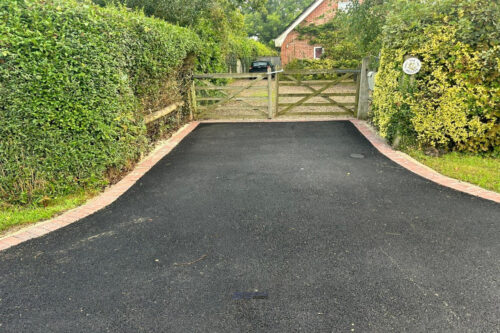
(76, 80)
(453, 103)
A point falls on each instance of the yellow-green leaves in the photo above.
(454, 102)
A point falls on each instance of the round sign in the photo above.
(412, 66)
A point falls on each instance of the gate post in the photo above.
(277, 95)
(364, 90)
(269, 93)
(194, 103)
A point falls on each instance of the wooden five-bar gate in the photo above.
(322, 92)
(317, 92)
(225, 95)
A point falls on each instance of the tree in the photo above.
(219, 23)
(187, 13)
(353, 34)
(272, 18)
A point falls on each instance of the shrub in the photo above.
(454, 102)
(323, 64)
(219, 24)
(246, 50)
(298, 64)
(350, 35)
(75, 81)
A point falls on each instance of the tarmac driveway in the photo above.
(265, 227)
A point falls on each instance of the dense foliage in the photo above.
(219, 24)
(76, 81)
(454, 102)
(268, 21)
(188, 13)
(350, 35)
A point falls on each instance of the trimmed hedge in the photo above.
(224, 42)
(454, 102)
(323, 64)
(75, 82)
(246, 50)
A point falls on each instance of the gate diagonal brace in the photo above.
(305, 85)
(230, 97)
(318, 92)
(324, 97)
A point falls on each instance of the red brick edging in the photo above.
(102, 200)
(416, 167)
(115, 191)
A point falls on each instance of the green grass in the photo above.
(12, 216)
(480, 170)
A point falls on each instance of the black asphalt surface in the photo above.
(339, 244)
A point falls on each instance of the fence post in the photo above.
(269, 93)
(356, 102)
(277, 95)
(364, 90)
(193, 109)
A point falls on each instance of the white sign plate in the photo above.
(371, 80)
(412, 66)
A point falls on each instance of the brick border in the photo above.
(416, 167)
(104, 199)
(115, 191)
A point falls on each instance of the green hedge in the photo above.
(223, 43)
(75, 82)
(246, 50)
(323, 64)
(454, 102)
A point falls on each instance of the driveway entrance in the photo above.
(265, 227)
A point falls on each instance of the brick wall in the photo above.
(293, 47)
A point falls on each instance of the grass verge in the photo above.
(16, 216)
(483, 171)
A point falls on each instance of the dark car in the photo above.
(261, 67)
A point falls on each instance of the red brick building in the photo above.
(319, 12)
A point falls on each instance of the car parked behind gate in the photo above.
(261, 67)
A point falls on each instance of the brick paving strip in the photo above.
(114, 192)
(416, 167)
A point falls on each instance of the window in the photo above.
(260, 64)
(344, 6)
(318, 52)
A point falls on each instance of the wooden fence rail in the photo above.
(163, 112)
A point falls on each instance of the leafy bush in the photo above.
(76, 81)
(219, 24)
(454, 102)
(270, 20)
(322, 64)
(350, 35)
(308, 64)
(247, 50)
